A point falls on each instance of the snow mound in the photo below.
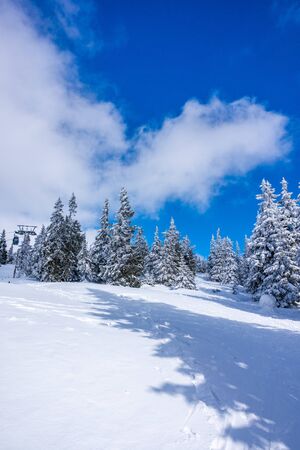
(267, 301)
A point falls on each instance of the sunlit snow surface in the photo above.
(92, 367)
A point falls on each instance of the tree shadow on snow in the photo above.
(250, 372)
(223, 295)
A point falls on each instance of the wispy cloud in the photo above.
(55, 139)
(287, 12)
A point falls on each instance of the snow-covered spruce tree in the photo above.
(100, 250)
(244, 264)
(188, 254)
(23, 259)
(240, 264)
(153, 265)
(211, 256)
(10, 255)
(216, 258)
(121, 266)
(201, 264)
(282, 277)
(222, 261)
(264, 240)
(185, 277)
(171, 253)
(140, 253)
(83, 261)
(72, 243)
(3, 248)
(38, 255)
(54, 248)
(229, 262)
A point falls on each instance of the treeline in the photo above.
(120, 254)
(271, 261)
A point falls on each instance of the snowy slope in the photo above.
(90, 367)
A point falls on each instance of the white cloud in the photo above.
(192, 153)
(55, 139)
(50, 132)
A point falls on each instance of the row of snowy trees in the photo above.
(56, 254)
(119, 255)
(271, 262)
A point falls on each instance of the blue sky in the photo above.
(149, 58)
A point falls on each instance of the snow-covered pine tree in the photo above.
(121, 266)
(229, 263)
(83, 258)
(222, 261)
(3, 248)
(10, 255)
(240, 263)
(100, 250)
(72, 243)
(211, 256)
(263, 241)
(38, 256)
(153, 266)
(244, 264)
(282, 277)
(201, 264)
(54, 249)
(23, 259)
(171, 253)
(188, 253)
(216, 258)
(140, 251)
(185, 277)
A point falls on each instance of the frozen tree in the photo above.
(188, 254)
(201, 264)
(72, 243)
(3, 248)
(38, 255)
(240, 264)
(244, 264)
(171, 253)
(153, 266)
(121, 267)
(23, 259)
(10, 255)
(222, 261)
(216, 258)
(83, 260)
(282, 277)
(140, 252)
(100, 250)
(264, 239)
(185, 277)
(54, 248)
(229, 263)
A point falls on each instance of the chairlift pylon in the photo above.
(26, 229)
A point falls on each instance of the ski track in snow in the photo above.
(90, 367)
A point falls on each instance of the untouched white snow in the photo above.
(90, 367)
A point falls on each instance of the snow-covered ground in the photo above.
(91, 367)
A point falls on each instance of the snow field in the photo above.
(90, 367)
